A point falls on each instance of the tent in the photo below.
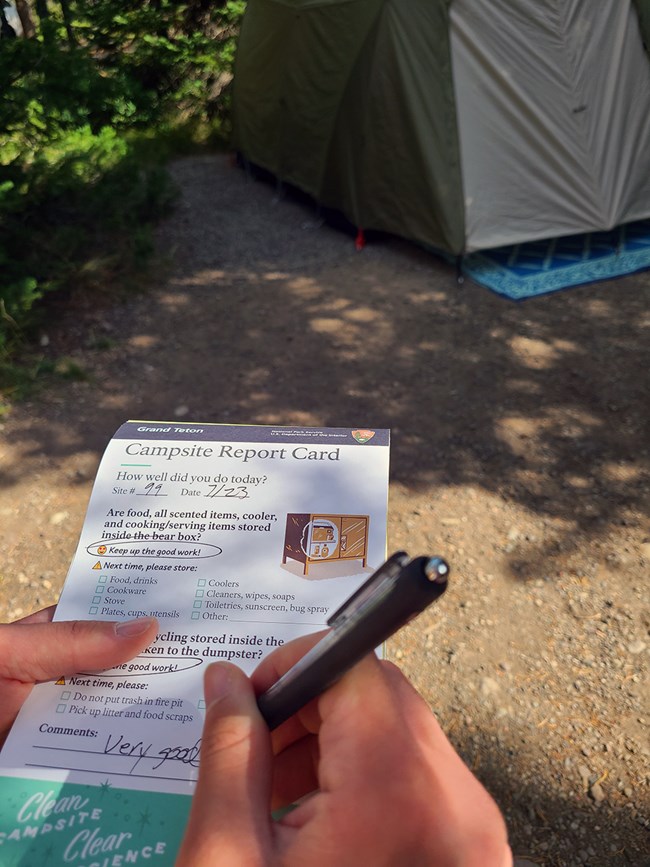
(460, 124)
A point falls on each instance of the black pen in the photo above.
(393, 595)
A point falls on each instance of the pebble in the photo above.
(597, 793)
(181, 410)
(585, 774)
(59, 518)
(488, 686)
(636, 647)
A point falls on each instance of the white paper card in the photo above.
(238, 539)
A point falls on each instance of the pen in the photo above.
(393, 595)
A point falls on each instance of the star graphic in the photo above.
(105, 786)
(144, 819)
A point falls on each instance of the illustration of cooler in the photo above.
(314, 538)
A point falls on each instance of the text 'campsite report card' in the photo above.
(238, 539)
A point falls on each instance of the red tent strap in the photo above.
(360, 240)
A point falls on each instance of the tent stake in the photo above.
(460, 277)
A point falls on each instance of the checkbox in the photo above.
(197, 604)
(99, 589)
(102, 579)
(93, 609)
(65, 695)
(200, 593)
(200, 582)
(61, 708)
(97, 599)
(201, 704)
(195, 615)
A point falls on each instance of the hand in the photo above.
(388, 787)
(33, 650)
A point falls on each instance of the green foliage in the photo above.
(81, 196)
(91, 108)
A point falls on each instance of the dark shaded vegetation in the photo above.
(96, 96)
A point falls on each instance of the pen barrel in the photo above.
(356, 635)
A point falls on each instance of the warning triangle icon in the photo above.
(97, 565)
(60, 681)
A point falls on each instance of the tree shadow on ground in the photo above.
(573, 827)
(268, 316)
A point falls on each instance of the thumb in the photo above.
(229, 822)
(36, 652)
(32, 652)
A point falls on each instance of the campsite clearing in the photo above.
(519, 451)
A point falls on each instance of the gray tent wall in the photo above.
(553, 104)
(502, 122)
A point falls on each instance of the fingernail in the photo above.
(132, 628)
(217, 683)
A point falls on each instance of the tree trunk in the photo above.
(42, 10)
(25, 15)
(67, 21)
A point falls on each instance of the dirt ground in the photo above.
(520, 437)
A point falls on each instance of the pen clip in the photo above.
(387, 572)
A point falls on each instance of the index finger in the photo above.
(282, 659)
(296, 742)
(307, 720)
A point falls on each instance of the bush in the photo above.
(84, 196)
(91, 108)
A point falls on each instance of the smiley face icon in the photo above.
(101, 549)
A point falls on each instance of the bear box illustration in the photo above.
(313, 538)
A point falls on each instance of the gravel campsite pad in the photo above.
(520, 438)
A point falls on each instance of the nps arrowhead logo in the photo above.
(362, 436)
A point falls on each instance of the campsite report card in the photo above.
(237, 539)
